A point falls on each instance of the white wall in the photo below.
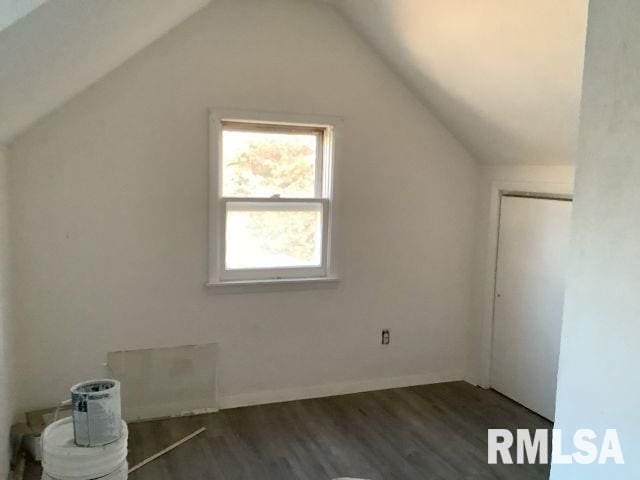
(491, 179)
(600, 353)
(6, 333)
(110, 202)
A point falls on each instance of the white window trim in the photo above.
(305, 276)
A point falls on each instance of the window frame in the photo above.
(326, 128)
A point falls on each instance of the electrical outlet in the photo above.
(386, 337)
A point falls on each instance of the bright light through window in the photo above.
(274, 200)
(259, 237)
(259, 164)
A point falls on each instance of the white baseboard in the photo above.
(329, 390)
(472, 379)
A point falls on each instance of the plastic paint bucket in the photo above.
(97, 417)
(62, 459)
(120, 474)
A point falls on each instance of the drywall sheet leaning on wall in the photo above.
(166, 382)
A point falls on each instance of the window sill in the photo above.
(269, 285)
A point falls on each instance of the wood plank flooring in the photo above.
(428, 432)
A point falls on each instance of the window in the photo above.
(271, 201)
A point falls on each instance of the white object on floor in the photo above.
(97, 417)
(120, 474)
(62, 459)
(166, 382)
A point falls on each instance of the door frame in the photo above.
(548, 190)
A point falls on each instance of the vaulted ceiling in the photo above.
(50, 50)
(13, 10)
(503, 75)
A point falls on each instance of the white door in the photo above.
(533, 246)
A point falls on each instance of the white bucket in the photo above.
(120, 474)
(97, 416)
(62, 459)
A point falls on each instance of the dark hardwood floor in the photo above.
(429, 432)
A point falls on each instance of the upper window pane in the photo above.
(268, 164)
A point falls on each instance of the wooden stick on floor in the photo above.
(168, 449)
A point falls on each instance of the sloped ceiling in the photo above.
(51, 50)
(504, 76)
(12, 10)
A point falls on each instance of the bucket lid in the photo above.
(64, 460)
